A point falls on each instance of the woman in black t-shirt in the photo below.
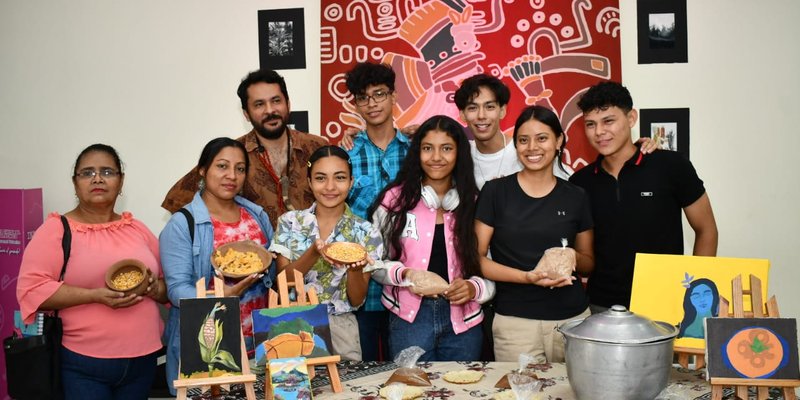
(520, 216)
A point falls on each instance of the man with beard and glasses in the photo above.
(278, 154)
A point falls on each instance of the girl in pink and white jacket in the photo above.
(429, 230)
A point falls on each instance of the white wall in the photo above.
(157, 80)
(154, 79)
(741, 84)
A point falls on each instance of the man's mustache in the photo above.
(271, 117)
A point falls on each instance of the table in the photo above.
(363, 380)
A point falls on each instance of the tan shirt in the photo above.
(259, 187)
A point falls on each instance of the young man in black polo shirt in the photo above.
(636, 198)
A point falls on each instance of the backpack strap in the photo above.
(66, 245)
(189, 222)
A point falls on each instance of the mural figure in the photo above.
(434, 44)
(700, 301)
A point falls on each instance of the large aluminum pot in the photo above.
(618, 355)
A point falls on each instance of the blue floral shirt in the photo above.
(298, 230)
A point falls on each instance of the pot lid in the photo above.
(618, 325)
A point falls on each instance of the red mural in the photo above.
(547, 52)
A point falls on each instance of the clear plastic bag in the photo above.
(409, 373)
(557, 262)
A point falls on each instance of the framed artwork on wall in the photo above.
(661, 31)
(298, 120)
(281, 39)
(669, 125)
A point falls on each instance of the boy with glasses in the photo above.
(376, 155)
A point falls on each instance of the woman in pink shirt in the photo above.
(110, 340)
(427, 219)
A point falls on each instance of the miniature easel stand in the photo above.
(282, 299)
(249, 379)
(741, 384)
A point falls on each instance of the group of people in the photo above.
(424, 201)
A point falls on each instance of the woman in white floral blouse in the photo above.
(300, 236)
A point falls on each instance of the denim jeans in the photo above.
(87, 377)
(433, 331)
(372, 332)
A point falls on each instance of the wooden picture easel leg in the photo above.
(181, 394)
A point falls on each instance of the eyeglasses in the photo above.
(379, 97)
(91, 173)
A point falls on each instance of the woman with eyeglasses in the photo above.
(110, 340)
(220, 216)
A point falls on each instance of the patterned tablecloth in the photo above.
(363, 380)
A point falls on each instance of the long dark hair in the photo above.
(689, 312)
(409, 180)
(547, 117)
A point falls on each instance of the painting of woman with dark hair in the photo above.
(700, 301)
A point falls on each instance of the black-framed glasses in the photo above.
(379, 96)
(91, 173)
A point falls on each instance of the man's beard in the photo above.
(267, 133)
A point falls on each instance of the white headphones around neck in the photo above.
(449, 202)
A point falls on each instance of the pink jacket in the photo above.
(417, 242)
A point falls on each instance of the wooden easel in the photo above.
(757, 307)
(247, 378)
(282, 299)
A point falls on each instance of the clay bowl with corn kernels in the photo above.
(128, 276)
(345, 252)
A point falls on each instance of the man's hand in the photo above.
(347, 138)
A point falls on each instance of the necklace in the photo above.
(281, 182)
(499, 165)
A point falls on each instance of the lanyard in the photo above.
(282, 182)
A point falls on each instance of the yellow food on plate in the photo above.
(238, 262)
(508, 394)
(409, 392)
(127, 280)
(345, 252)
(464, 376)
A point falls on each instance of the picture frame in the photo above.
(673, 125)
(662, 32)
(298, 120)
(281, 39)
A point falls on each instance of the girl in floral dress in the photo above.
(300, 236)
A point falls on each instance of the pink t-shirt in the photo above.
(94, 330)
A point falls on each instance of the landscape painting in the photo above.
(289, 379)
(286, 332)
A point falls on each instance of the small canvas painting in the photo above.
(211, 338)
(286, 332)
(752, 348)
(685, 290)
(289, 379)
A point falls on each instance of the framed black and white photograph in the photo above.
(298, 120)
(281, 39)
(669, 126)
(661, 31)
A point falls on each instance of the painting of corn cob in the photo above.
(210, 337)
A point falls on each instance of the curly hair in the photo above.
(408, 180)
(365, 74)
(260, 76)
(606, 94)
(471, 88)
